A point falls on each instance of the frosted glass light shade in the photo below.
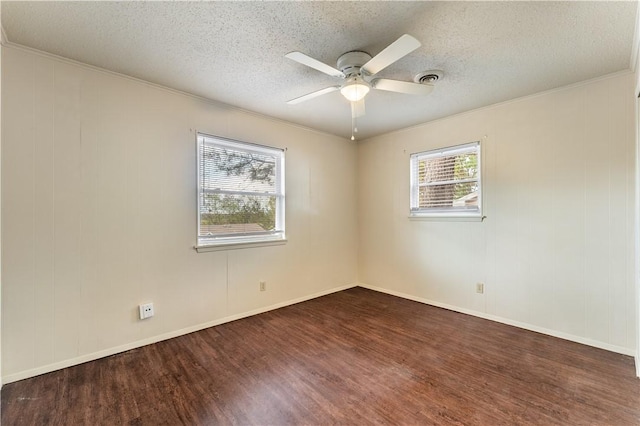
(355, 90)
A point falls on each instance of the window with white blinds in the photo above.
(240, 192)
(446, 182)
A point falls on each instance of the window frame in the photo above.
(246, 239)
(444, 213)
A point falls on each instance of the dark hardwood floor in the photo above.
(354, 357)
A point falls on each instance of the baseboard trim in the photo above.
(523, 325)
(165, 336)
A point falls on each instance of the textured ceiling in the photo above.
(233, 52)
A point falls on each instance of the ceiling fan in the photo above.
(358, 70)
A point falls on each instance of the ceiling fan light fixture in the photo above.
(355, 89)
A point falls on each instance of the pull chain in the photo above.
(354, 128)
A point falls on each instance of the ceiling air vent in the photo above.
(428, 77)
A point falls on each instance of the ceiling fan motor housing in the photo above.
(351, 62)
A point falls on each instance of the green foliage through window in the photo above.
(446, 180)
(240, 189)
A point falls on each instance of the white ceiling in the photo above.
(233, 52)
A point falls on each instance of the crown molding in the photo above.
(3, 36)
(633, 60)
(570, 86)
(62, 59)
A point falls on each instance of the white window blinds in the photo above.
(446, 181)
(240, 192)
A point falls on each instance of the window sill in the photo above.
(238, 245)
(447, 218)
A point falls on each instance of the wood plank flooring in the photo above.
(354, 357)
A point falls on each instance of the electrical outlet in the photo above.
(480, 288)
(263, 286)
(146, 310)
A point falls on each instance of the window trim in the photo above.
(243, 240)
(445, 214)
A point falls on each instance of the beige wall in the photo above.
(556, 251)
(2, 41)
(99, 215)
(635, 58)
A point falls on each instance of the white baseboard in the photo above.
(112, 351)
(115, 350)
(526, 326)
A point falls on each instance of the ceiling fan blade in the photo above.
(402, 86)
(396, 50)
(313, 95)
(357, 108)
(314, 63)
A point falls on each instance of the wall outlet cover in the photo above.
(146, 310)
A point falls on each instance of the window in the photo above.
(446, 182)
(240, 192)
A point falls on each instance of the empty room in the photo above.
(312, 213)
